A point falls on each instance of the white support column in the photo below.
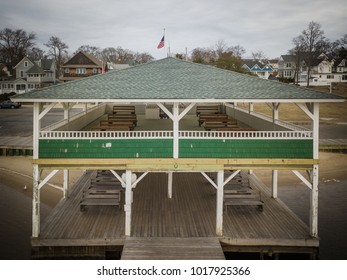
(315, 130)
(175, 112)
(250, 108)
(36, 202)
(169, 184)
(36, 171)
(315, 177)
(314, 203)
(128, 201)
(275, 111)
(219, 203)
(274, 183)
(66, 192)
(36, 129)
(66, 107)
(175, 116)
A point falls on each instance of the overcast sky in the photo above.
(137, 25)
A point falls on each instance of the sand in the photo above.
(16, 172)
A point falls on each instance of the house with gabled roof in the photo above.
(324, 70)
(30, 75)
(81, 65)
(260, 69)
(184, 151)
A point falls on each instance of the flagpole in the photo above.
(165, 44)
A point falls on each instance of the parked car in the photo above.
(9, 104)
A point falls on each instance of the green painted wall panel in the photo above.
(252, 148)
(106, 148)
(188, 148)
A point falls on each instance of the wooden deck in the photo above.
(172, 248)
(191, 213)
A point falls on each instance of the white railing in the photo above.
(106, 134)
(285, 124)
(246, 134)
(182, 135)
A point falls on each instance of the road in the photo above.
(19, 122)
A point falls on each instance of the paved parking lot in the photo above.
(19, 122)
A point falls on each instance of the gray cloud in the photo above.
(267, 25)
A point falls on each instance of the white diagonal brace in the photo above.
(305, 110)
(118, 177)
(139, 179)
(209, 179)
(186, 110)
(231, 177)
(167, 112)
(46, 110)
(302, 178)
(49, 176)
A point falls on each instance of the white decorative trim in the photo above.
(223, 135)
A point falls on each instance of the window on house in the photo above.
(95, 71)
(21, 74)
(287, 73)
(330, 76)
(67, 70)
(80, 71)
(344, 77)
(288, 65)
(25, 63)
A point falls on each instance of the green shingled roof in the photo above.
(174, 79)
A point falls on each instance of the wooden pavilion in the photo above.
(170, 93)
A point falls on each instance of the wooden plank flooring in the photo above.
(172, 248)
(191, 213)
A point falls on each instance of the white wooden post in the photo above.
(315, 177)
(315, 130)
(175, 112)
(128, 201)
(274, 183)
(36, 129)
(169, 187)
(36, 202)
(66, 183)
(250, 108)
(36, 171)
(275, 107)
(219, 203)
(314, 203)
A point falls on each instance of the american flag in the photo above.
(161, 43)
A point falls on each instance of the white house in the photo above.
(30, 75)
(324, 70)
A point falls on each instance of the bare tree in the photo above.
(124, 56)
(259, 55)
(142, 57)
(298, 52)
(311, 36)
(36, 54)
(95, 51)
(109, 55)
(220, 48)
(58, 50)
(14, 45)
(238, 51)
(202, 55)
